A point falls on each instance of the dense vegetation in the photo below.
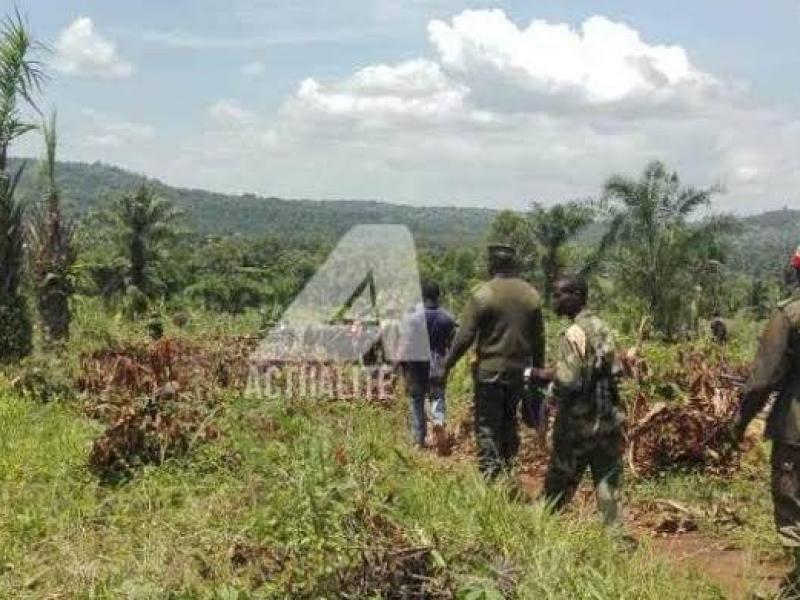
(133, 463)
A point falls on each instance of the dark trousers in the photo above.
(496, 402)
(572, 455)
(786, 492)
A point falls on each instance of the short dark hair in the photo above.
(431, 291)
(576, 284)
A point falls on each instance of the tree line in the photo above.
(651, 245)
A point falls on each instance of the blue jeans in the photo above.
(419, 391)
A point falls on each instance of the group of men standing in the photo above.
(503, 320)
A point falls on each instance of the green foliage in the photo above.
(20, 76)
(659, 254)
(20, 79)
(15, 325)
(52, 250)
(543, 239)
(16, 328)
(553, 229)
(512, 228)
(41, 379)
(137, 227)
(210, 213)
(295, 500)
(456, 271)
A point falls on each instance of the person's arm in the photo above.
(538, 341)
(465, 335)
(770, 370)
(568, 373)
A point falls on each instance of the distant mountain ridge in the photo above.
(85, 186)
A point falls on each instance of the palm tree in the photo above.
(52, 249)
(553, 228)
(20, 79)
(141, 222)
(658, 249)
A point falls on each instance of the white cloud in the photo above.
(498, 113)
(228, 111)
(106, 131)
(252, 69)
(79, 50)
(601, 63)
(416, 89)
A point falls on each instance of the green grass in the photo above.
(299, 479)
(315, 485)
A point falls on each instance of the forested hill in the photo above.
(84, 186)
(776, 219)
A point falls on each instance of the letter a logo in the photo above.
(367, 293)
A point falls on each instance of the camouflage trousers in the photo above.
(786, 492)
(496, 401)
(572, 455)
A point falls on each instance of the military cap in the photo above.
(502, 251)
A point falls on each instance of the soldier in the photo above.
(504, 318)
(777, 369)
(588, 427)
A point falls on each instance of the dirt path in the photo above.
(739, 574)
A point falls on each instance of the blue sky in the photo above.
(429, 101)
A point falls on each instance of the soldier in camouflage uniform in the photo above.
(777, 369)
(503, 317)
(588, 427)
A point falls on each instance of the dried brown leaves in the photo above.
(689, 430)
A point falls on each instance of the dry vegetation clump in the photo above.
(157, 399)
(392, 567)
(264, 563)
(143, 368)
(149, 433)
(678, 421)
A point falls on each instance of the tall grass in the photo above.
(303, 480)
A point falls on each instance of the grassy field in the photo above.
(305, 499)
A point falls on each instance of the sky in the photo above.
(428, 102)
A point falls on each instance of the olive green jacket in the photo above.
(777, 369)
(503, 317)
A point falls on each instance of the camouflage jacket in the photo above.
(585, 385)
(777, 369)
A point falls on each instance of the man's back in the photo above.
(504, 317)
(441, 327)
